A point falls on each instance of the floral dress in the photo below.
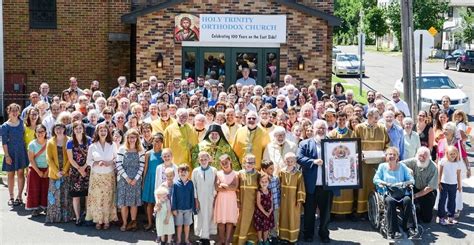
(59, 202)
(78, 185)
(261, 221)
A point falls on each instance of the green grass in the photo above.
(372, 48)
(1, 164)
(355, 88)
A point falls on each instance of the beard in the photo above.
(214, 141)
(318, 138)
(370, 100)
(422, 164)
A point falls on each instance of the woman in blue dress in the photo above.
(15, 158)
(152, 160)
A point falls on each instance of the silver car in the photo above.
(347, 64)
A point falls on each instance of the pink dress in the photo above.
(225, 208)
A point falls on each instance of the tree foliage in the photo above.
(375, 22)
(426, 13)
(349, 12)
(467, 26)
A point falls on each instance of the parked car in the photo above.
(460, 59)
(347, 64)
(435, 85)
(335, 51)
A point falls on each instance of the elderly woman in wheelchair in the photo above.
(394, 186)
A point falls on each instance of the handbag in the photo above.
(396, 192)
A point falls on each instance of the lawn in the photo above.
(372, 48)
(1, 164)
(361, 99)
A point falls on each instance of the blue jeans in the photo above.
(448, 192)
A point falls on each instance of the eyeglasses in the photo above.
(252, 163)
(40, 131)
(251, 118)
(107, 113)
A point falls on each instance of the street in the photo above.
(383, 69)
(17, 227)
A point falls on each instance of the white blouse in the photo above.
(97, 153)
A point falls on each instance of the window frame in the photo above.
(33, 7)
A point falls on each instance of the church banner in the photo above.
(242, 28)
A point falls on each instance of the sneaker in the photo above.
(396, 235)
(457, 214)
(412, 232)
(442, 221)
(452, 221)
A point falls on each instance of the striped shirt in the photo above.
(121, 171)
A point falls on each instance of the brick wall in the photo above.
(78, 47)
(306, 35)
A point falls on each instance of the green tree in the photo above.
(426, 13)
(394, 20)
(375, 22)
(467, 25)
(349, 12)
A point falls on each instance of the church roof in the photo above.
(131, 18)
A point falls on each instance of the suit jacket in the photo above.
(305, 156)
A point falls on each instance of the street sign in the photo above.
(428, 44)
(433, 31)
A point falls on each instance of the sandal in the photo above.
(16, 202)
(98, 226)
(148, 227)
(106, 226)
(11, 202)
(123, 228)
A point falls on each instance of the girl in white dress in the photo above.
(164, 218)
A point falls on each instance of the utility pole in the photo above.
(408, 55)
(361, 43)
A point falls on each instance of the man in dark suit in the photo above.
(446, 107)
(309, 158)
(44, 90)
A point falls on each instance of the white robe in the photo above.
(204, 191)
(276, 154)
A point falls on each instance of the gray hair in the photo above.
(451, 126)
(257, 87)
(320, 123)
(278, 130)
(181, 111)
(407, 120)
(92, 112)
(423, 150)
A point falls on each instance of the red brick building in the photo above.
(49, 40)
(305, 51)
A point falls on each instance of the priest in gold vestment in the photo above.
(373, 137)
(251, 139)
(160, 124)
(180, 137)
(344, 203)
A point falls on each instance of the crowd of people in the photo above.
(242, 163)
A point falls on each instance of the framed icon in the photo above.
(342, 160)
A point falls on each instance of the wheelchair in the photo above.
(377, 212)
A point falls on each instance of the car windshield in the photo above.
(347, 57)
(440, 82)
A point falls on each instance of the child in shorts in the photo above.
(183, 203)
